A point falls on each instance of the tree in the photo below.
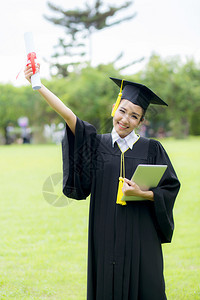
(80, 24)
(16, 102)
(9, 101)
(178, 85)
(90, 94)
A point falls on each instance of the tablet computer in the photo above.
(146, 176)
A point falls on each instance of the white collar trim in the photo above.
(127, 142)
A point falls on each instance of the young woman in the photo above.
(124, 250)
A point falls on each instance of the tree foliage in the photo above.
(84, 21)
(90, 94)
(79, 25)
(177, 84)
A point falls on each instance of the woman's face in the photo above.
(127, 117)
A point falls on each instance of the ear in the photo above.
(141, 121)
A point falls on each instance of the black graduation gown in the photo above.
(124, 245)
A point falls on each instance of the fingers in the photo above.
(28, 71)
(124, 187)
(37, 67)
(130, 188)
(29, 68)
(129, 182)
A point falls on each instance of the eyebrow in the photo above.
(133, 113)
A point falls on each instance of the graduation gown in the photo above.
(124, 245)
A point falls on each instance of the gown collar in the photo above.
(124, 143)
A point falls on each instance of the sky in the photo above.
(167, 27)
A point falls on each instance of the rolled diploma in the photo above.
(35, 78)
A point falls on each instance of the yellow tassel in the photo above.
(119, 193)
(116, 104)
(118, 100)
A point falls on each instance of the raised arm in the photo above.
(54, 101)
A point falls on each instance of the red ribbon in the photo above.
(31, 57)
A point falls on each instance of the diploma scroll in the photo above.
(31, 56)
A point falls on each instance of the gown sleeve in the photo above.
(77, 153)
(165, 193)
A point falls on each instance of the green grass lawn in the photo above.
(43, 249)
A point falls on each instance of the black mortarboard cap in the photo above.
(137, 93)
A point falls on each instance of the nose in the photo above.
(125, 119)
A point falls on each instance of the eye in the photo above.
(134, 117)
(122, 111)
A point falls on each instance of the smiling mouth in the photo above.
(122, 126)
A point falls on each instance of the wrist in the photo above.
(148, 195)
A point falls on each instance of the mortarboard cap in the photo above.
(136, 93)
